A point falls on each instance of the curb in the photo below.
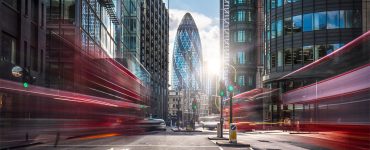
(227, 144)
(217, 138)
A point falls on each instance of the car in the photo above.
(209, 122)
(151, 124)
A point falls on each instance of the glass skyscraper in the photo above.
(187, 56)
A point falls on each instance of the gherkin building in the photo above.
(187, 56)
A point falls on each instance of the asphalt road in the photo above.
(169, 140)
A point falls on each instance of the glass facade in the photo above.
(98, 31)
(296, 38)
(187, 56)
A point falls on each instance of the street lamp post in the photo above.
(231, 89)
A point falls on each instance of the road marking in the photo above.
(181, 146)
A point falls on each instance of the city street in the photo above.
(162, 140)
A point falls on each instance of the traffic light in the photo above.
(27, 78)
(194, 104)
(231, 88)
(222, 89)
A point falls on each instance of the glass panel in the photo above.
(69, 11)
(307, 22)
(320, 21)
(240, 15)
(297, 56)
(279, 3)
(287, 26)
(268, 62)
(241, 57)
(8, 50)
(273, 60)
(273, 30)
(288, 56)
(280, 59)
(357, 17)
(307, 54)
(279, 26)
(297, 23)
(332, 47)
(333, 19)
(348, 15)
(320, 51)
(241, 80)
(273, 3)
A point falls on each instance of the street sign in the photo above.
(232, 133)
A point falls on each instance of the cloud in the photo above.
(208, 31)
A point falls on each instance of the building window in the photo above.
(250, 81)
(307, 54)
(273, 60)
(241, 57)
(288, 56)
(250, 16)
(357, 17)
(34, 10)
(345, 19)
(268, 61)
(273, 30)
(297, 23)
(280, 59)
(288, 26)
(239, 36)
(320, 21)
(279, 3)
(332, 47)
(297, 56)
(240, 16)
(8, 50)
(69, 11)
(241, 80)
(320, 51)
(273, 3)
(239, 1)
(307, 22)
(34, 58)
(279, 26)
(333, 20)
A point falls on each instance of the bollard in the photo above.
(57, 139)
(232, 133)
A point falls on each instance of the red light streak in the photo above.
(339, 51)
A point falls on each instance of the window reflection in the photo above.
(320, 21)
(287, 26)
(307, 22)
(273, 30)
(297, 56)
(307, 54)
(320, 51)
(279, 26)
(279, 3)
(280, 59)
(333, 19)
(288, 56)
(273, 60)
(297, 23)
(332, 47)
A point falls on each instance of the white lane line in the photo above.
(181, 146)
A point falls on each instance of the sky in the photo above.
(206, 16)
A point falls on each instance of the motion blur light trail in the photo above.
(64, 95)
